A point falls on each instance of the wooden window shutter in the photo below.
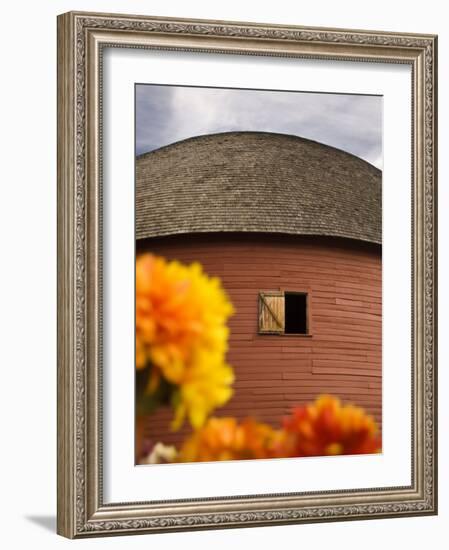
(271, 312)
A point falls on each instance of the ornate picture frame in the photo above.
(82, 40)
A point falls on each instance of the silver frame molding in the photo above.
(81, 39)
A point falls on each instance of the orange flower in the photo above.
(326, 427)
(226, 439)
(181, 335)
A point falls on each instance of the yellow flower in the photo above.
(206, 385)
(181, 335)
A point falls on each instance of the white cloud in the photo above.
(353, 123)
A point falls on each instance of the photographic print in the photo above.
(258, 274)
(246, 274)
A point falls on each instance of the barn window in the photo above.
(283, 312)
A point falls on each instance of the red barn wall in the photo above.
(342, 356)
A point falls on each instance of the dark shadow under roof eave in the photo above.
(181, 233)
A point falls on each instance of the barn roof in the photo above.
(257, 182)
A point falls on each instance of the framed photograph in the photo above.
(246, 274)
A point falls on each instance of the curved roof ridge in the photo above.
(251, 132)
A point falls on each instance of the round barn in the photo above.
(293, 229)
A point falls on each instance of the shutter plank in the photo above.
(271, 312)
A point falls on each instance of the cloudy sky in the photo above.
(165, 114)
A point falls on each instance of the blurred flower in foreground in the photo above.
(226, 439)
(324, 427)
(327, 427)
(181, 337)
(160, 454)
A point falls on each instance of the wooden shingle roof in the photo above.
(257, 182)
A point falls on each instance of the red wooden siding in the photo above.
(341, 355)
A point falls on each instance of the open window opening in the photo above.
(295, 313)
